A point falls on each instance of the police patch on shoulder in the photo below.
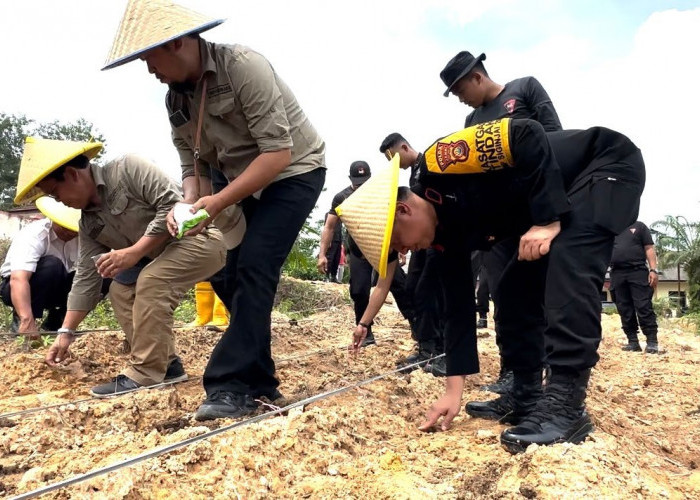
(218, 90)
(509, 105)
(481, 148)
(449, 153)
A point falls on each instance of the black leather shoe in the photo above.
(419, 356)
(632, 346)
(481, 323)
(559, 416)
(369, 340)
(175, 372)
(436, 367)
(120, 384)
(224, 404)
(512, 406)
(651, 348)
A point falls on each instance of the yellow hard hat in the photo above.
(43, 156)
(59, 213)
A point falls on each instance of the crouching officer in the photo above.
(124, 205)
(559, 199)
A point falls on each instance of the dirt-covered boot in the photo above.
(515, 403)
(426, 349)
(652, 346)
(559, 416)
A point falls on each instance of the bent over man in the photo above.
(122, 227)
(567, 194)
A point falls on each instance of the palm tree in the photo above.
(678, 245)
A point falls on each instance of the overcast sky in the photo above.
(364, 69)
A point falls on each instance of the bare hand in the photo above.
(212, 204)
(358, 336)
(28, 325)
(536, 242)
(322, 264)
(112, 263)
(170, 222)
(402, 259)
(447, 407)
(653, 280)
(59, 351)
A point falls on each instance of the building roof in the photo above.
(671, 274)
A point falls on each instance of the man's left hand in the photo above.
(536, 242)
(112, 263)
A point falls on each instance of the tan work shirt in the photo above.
(248, 110)
(136, 197)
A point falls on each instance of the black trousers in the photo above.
(633, 300)
(549, 309)
(482, 294)
(423, 281)
(333, 256)
(242, 360)
(49, 284)
(363, 277)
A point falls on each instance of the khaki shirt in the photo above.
(136, 197)
(248, 110)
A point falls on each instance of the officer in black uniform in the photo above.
(568, 194)
(361, 277)
(632, 285)
(466, 77)
(422, 280)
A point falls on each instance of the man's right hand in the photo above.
(322, 264)
(59, 351)
(170, 222)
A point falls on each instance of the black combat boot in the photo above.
(426, 349)
(632, 346)
(436, 367)
(559, 416)
(515, 403)
(652, 346)
(504, 382)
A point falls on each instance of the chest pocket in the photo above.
(221, 107)
(117, 201)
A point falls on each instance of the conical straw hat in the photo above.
(43, 156)
(59, 213)
(149, 23)
(368, 215)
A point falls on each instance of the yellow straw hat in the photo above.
(59, 213)
(43, 156)
(368, 215)
(149, 23)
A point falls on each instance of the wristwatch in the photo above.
(69, 331)
(653, 271)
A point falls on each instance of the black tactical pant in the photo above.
(549, 309)
(423, 282)
(633, 296)
(362, 278)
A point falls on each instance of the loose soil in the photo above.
(359, 444)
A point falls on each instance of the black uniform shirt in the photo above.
(629, 252)
(521, 98)
(475, 210)
(337, 200)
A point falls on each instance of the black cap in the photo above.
(458, 67)
(359, 172)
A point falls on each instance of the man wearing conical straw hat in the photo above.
(38, 270)
(230, 110)
(559, 198)
(123, 235)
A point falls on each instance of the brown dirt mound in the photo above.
(359, 444)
